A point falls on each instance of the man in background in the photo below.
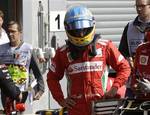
(133, 35)
(18, 59)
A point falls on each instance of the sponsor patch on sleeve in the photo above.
(143, 60)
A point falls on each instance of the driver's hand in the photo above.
(68, 102)
(111, 93)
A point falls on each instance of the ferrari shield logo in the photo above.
(99, 52)
(143, 59)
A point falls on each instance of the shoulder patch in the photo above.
(143, 59)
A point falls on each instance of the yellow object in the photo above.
(61, 111)
(82, 41)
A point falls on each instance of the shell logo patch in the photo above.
(144, 59)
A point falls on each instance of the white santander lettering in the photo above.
(85, 67)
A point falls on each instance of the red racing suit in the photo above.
(142, 67)
(84, 74)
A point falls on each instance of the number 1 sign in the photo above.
(57, 20)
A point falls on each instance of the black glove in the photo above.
(7, 85)
(144, 84)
